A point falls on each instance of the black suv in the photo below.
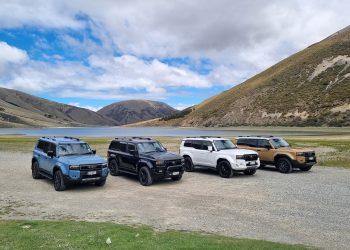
(144, 157)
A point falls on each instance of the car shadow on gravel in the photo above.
(271, 168)
(133, 178)
(214, 173)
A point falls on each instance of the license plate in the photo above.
(175, 173)
(91, 173)
(311, 158)
(251, 163)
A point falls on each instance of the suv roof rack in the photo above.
(203, 137)
(256, 136)
(72, 138)
(132, 138)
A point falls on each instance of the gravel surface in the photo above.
(309, 208)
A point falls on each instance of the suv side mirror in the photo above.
(165, 149)
(93, 151)
(210, 148)
(50, 154)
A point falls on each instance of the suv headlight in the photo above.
(182, 160)
(74, 167)
(240, 157)
(160, 163)
(300, 154)
(104, 165)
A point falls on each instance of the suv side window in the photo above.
(51, 147)
(197, 144)
(115, 145)
(131, 147)
(123, 147)
(251, 142)
(262, 143)
(242, 141)
(41, 145)
(188, 144)
(206, 144)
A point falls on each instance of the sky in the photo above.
(92, 53)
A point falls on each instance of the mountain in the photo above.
(309, 88)
(18, 109)
(131, 111)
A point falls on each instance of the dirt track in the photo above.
(307, 208)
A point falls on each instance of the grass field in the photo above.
(330, 152)
(92, 235)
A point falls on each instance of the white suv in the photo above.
(220, 154)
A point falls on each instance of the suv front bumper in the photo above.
(160, 173)
(83, 176)
(242, 165)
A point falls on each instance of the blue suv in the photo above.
(68, 160)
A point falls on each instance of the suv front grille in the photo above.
(90, 167)
(309, 154)
(172, 163)
(250, 157)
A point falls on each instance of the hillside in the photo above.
(18, 109)
(309, 88)
(131, 111)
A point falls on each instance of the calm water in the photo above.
(150, 131)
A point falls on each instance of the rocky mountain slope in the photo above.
(136, 110)
(309, 88)
(18, 109)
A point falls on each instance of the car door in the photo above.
(40, 154)
(196, 151)
(123, 156)
(205, 157)
(132, 157)
(265, 150)
(47, 163)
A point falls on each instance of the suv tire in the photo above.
(284, 165)
(100, 183)
(188, 164)
(305, 168)
(225, 169)
(250, 171)
(114, 167)
(35, 170)
(145, 177)
(58, 181)
(176, 177)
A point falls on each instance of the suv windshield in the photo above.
(74, 149)
(279, 143)
(146, 147)
(224, 144)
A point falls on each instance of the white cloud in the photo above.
(239, 38)
(11, 55)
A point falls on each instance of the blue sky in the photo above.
(93, 53)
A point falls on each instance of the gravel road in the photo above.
(308, 208)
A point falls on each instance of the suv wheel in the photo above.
(35, 170)
(100, 183)
(114, 167)
(176, 177)
(250, 171)
(145, 177)
(188, 164)
(225, 169)
(305, 168)
(58, 181)
(284, 165)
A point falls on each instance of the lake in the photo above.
(182, 132)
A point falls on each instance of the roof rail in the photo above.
(72, 138)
